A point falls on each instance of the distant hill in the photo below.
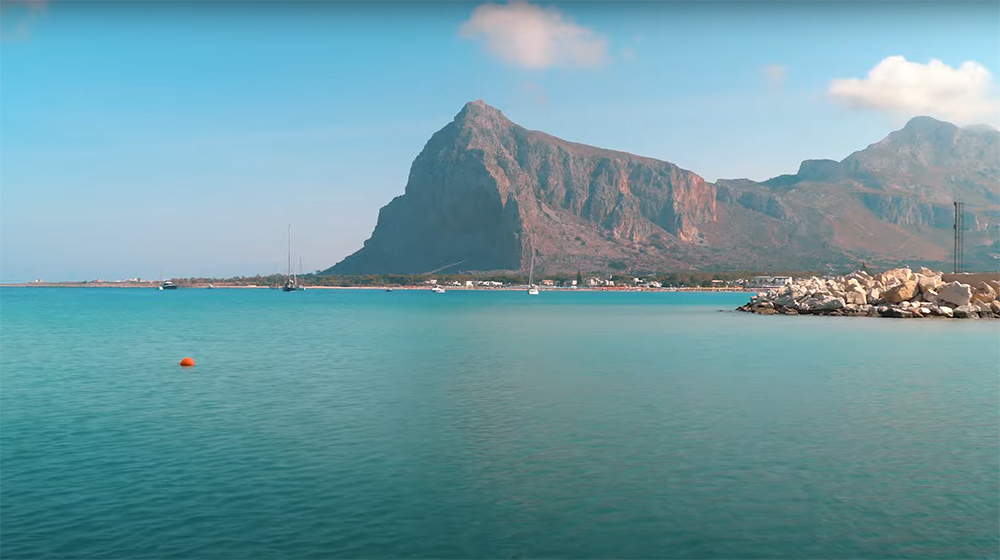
(485, 192)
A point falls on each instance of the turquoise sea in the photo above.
(367, 424)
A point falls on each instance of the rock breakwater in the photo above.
(898, 293)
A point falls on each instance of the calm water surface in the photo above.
(366, 424)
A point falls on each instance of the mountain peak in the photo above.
(478, 111)
(924, 120)
(925, 124)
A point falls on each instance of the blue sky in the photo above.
(185, 136)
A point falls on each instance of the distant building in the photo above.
(768, 281)
(548, 283)
(468, 283)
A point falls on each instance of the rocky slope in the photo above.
(484, 193)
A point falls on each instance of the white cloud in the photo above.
(525, 35)
(906, 89)
(774, 74)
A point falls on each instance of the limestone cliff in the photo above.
(484, 192)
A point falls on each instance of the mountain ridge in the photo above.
(485, 192)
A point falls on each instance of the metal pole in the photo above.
(954, 263)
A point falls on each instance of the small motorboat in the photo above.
(437, 290)
(168, 285)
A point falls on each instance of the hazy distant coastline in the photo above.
(123, 285)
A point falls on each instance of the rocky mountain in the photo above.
(484, 193)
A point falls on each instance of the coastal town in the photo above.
(606, 282)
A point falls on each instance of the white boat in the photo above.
(291, 280)
(532, 289)
(437, 290)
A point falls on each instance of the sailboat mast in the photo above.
(289, 250)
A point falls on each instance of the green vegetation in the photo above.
(680, 279)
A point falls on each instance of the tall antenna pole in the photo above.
(959, 251)
(961, 237)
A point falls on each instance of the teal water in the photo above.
(366, 424)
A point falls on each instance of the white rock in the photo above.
(785, 300)
(831, 303)
(964, 311)
(925, 311)
(856, 296)
(927, 283)
(955, 293)
(874, 295)
(946, 311)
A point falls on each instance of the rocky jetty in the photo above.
(899, 293)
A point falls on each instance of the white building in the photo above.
(768, 281)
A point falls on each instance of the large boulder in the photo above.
(946, 311)
(830, 303)
(995, 285)
(955, 293)
(785, 300)
(894, 277)
(856, 296)
(928, 283)
(874, 295)
(984, 293)
(966, 312)
(902, 292)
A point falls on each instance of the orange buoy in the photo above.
(186, 362)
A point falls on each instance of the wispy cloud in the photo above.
(532, 37)
(774, 74)
(906, 89)
(17, 17)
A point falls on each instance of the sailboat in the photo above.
(291, 281)
(532, 289)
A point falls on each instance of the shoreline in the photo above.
(124, 285)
